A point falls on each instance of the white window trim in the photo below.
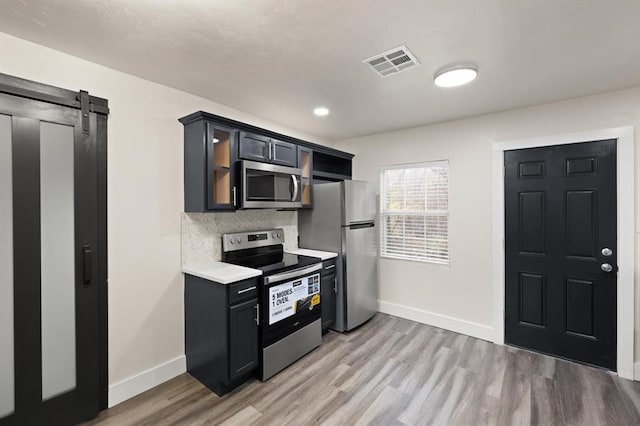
(425, 213)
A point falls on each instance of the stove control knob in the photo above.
(279, 235)
(232, 241)
(273, 235)
(238, 240)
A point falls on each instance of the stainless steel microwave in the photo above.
(267, 186)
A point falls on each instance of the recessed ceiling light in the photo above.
(456, 76)
(321, 111)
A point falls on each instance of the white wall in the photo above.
(146, 325)
(463, 291)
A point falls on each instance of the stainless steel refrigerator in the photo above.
(342, 220)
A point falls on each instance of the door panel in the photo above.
(54, 187)
(580, 223)
(532, 296)
(581, 307)
(6, 270)
(532, 220)
(254, 147)
(243, 338)
(57, 258)
(26, 261)
(328, 300)
(560, 211)
(284, 153)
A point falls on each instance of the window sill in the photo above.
(406, 259)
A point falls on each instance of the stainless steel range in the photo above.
(289, 297)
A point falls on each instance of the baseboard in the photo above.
(135, 385)
(636, 371)
(441, 321)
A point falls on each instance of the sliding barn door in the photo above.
(49, 271)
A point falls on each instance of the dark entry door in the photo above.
(560, 250)
(51, 261)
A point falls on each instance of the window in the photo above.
(414, 210)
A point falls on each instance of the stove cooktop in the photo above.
(274, 263)
(263, 250)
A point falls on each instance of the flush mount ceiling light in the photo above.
(321, 111)
(455, 76)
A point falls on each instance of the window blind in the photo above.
(414, 212)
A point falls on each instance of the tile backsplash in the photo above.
(202, 232)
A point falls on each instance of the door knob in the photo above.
(606, 252)
(606, 267)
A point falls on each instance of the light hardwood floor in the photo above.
(393, 371)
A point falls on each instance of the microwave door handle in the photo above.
(295, 187)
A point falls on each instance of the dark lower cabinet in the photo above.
(328, 291)
(221, 332)
(243, 333)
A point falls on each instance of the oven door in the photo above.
(290, 300)
(270, 186)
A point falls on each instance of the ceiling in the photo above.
(279, 59)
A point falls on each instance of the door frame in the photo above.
(625, 184)
(86, 103)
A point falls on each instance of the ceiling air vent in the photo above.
(392, 61)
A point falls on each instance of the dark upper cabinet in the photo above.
(328, 292)
(209, 158)
(256, 147)
(221, 148)
(213, 145)
(243, 341)
(284, 153)
(305, 163)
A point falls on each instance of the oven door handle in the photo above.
(292, 274)
(295, 187)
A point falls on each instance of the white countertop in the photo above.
(324, 255)
(220, 272)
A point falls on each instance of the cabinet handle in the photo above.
(246, 289)
(295, 187)
(257, 314)
(273, 148)
(335, 285)
(330, 267)
(87, 272)
(234, 196)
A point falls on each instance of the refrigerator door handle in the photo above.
(360, 225)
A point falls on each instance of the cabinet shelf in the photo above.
(330, 176)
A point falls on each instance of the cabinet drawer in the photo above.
(329, 267)
(243, 290)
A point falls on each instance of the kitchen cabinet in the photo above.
(305, 162)
(330, 167)
(328, 293)
(243, 338)
(257, 147)
(254, 147)
(214, 144)
(221, 332)
(209, 173)
(284, 153)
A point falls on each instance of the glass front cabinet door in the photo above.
(221, 185)
(305, 162)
